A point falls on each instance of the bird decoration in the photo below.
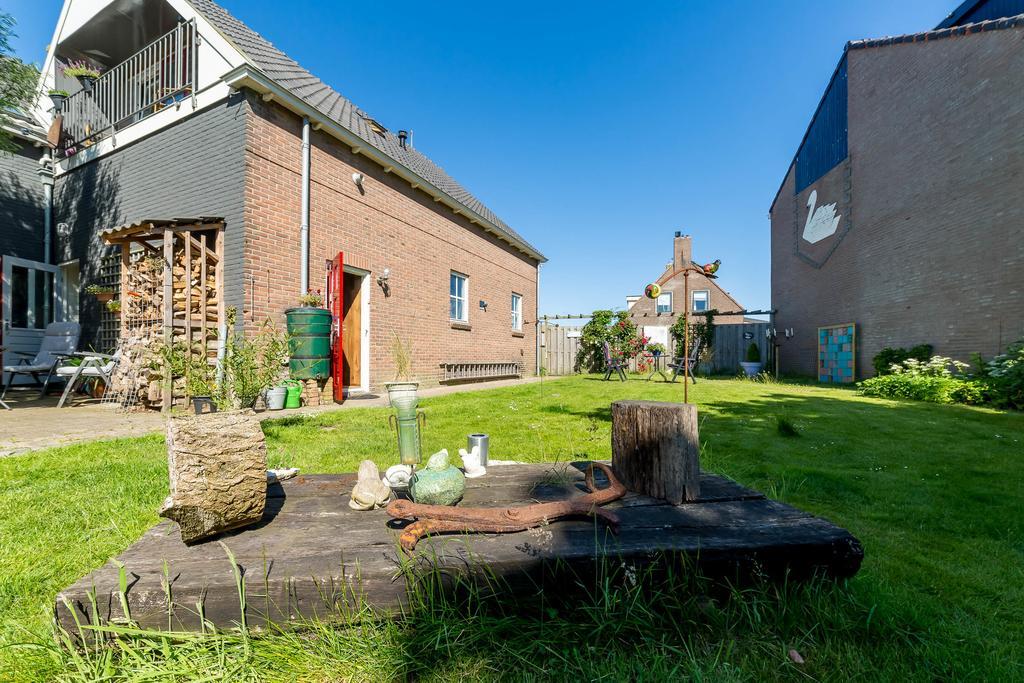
(822, 221)
(711, 268)
(652, 291)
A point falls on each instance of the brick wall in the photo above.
(934, 251)
(389, 225)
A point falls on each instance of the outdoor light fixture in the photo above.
(483, 305)
(789, 332)
(382, 279)
(357, 178)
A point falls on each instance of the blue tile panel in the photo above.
(836, 351)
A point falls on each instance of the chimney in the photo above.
(682, 250)
(403, 136)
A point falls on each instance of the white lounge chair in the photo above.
(94, 366)
(59, 341)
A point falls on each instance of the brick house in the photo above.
(705, 294)
(218, 122)
(902, 211)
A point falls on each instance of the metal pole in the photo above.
(686, 335)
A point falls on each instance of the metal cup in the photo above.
(482, 441)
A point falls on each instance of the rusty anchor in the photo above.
(432, 519)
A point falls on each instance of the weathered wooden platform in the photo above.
(312, 555)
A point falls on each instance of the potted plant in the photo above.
(114, 306)
(103, 294)
(84, 72)
(705, 363)
(402, 390)
(752, 366)
(58, 98)
(275, 397)
(311, 299)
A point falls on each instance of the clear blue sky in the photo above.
(595, 129)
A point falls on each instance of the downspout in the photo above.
(46, 176)
(536, 301)
(304, 224)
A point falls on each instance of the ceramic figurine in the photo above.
(439, 483)
(369, 492)
(397, 477)
(281, 475)
(471, 462)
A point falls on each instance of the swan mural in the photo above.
(821, 222)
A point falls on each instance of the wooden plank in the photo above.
(126, 265)
(204, 256)
(188, 295)
(656, 449)
(168, 381)
(313, 555)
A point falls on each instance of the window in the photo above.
(458, 295)
(517, 312)
(701, 298)
(665, 302)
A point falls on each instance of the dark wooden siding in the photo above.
(824, 144)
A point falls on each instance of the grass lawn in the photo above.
(935, 493)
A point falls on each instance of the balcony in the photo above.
(160, 75)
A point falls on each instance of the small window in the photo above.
(517, 312)
(701, 299)
(458, 296)
(665, 302)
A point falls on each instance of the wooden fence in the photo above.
(560, 344)
(558, 347)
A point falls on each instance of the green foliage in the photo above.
(95, 289)
(656, 349)
(618, 329)
(889, 356)
(81, 69)
(753, 353)
(250, 366)
(114, 306)
(1003, 377)
(701, 329)
(17, 82)
(937, 380)
(54, 91)
(312, 298)
(401, 354)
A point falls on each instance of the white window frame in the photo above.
(464, 299)
(693, 300)
(658, 305)
(517, 312)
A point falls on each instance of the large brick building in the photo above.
(903, 210)
(240, 131)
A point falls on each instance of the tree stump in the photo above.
(656, 449)
(218, 467)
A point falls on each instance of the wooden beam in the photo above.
(126, 258)
(188, 296)
(204, 255)
(168, 381)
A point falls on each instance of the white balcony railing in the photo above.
(160, 75)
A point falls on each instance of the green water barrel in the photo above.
(309, 342)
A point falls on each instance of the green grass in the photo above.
(935, 493)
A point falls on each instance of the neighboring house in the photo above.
(656, 316)
(197, 115)
(903, 210)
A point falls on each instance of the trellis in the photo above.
(172, 279)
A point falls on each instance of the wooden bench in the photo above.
(469, 372)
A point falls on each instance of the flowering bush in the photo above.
(615, 328)
(1003, 377)
(938, 380)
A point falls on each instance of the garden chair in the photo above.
(98, 366)
(617, 365)
(679, 362)
(59, 342)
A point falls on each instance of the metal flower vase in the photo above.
(406, 421)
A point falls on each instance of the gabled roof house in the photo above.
(196, 114)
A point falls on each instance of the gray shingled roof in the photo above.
(290, 75)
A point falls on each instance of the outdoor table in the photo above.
(658, 367)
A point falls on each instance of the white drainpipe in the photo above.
(304, 225)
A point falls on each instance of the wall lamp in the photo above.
(382, 282)
(357, 178)
(483, 305)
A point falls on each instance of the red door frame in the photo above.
(336, 304)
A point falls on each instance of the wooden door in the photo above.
(352, 325)
(335, 302)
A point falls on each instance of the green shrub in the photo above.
(1003, 377)
(753, 353)
(936, 380)
(889, 356)
(605, 326)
